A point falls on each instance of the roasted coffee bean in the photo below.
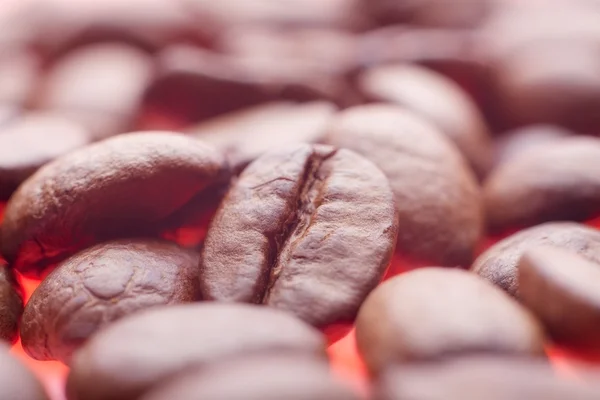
(33, 140)
(513, 143)
(499, 263)
(11, 304)
(557, 181)
(16, 381)
(262, 377)
(315, 229)
(560, 287)
(433, 313)
(247, 134)
(195, 84)
(462, 13)
(100, 86)
(490, 378)
(124, 186)
(421, 165)
(437, 99)
(100, 285)
(140, 352)
(19, 75)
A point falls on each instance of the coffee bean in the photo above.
(11, 304)
(124, 186)
(315, 229)
(420, 164)
(19, 75)
(245, 135)
(195, 84)
(463, 13)
(262, 377)
(437, 99)
(526, 138)
(561, 288)
(140, 352)
(499, 263)
(33, 140)
(558, 181)
(17, 382)
(434, 313)
(99, 86)
(100, 285)
(491, 378)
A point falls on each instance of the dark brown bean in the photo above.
(315, 229)
(512, 143)
(195, 84)
(437, 99)
(557, 181)
(123, 186)
(16, 381)
(560, 287)
(100, 86)
(498, 264)
(140, 352)
(262, 377)
(433, 313)
(33, 140)
(489, 378)
(100, 285)
(11, 304)
(247, 134)
(420, 164)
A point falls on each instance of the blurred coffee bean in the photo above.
(140, 352)
(437, 99)
(126, 186)
(8, 113)
(32, 140)
(460, 13)
(99, 86)
(11, 304)
(215, 18)
(489, 378)
(195, 84)
(245, 135)
(100, 285)
(512, 143)
(498, 264)
(18, 382)
(421, 164)
(434, 313)
(260, 377)
(552, 81)
(553, 182)
(561, 288)
(58, 26)
(19, 77)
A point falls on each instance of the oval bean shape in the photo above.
(309, 230)
(11, 304)
(498, 264)
(16, 381)
(123, 186)
(553, 182)
(100, 285)
(561, 288)
(437, 99)
(141, 351)
(261, 377)
(432, 313)
(437, 197)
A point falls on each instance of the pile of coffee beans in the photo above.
(209, 194)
